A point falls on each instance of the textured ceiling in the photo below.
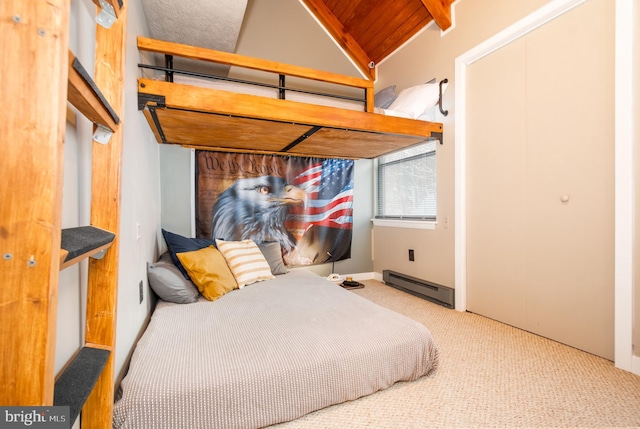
(213, 24)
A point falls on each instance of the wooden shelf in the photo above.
(76, 382)
(84, 95)
(83, 242)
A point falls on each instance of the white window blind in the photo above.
(406, 183)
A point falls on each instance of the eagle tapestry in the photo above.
(303, 203)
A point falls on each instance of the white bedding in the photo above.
(268, 353)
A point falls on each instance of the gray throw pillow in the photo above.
(385, 97)
(169, 284)
(273, 254)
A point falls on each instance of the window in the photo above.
(406, 183)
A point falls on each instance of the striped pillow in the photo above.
(246, 261)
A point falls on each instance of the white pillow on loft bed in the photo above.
(417, 100)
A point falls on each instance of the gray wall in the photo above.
(175, 184)
(636, 101)
(283, 31)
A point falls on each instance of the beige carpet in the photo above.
(490, 375)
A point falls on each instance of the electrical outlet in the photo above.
(446, 222)
(411, 255)
(141, 286)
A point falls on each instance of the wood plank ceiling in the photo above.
(370, 30)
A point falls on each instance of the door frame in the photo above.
(623, 283)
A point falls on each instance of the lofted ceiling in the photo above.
(370, 30)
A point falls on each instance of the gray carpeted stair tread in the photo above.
(75, 384)
(83, 239)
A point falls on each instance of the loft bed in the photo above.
(199, 110)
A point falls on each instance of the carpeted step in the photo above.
(76, 383)
(83, 241)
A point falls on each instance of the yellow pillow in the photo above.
(246, 261)
(209, 272)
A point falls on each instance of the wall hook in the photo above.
(444, 112)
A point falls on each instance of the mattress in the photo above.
(268, 353)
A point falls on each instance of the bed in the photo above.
(270, 352)
(285, 120)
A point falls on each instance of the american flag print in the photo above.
(329, 188)
(304, 203)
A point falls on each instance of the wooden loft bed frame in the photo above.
(43, 77)
(215, 119)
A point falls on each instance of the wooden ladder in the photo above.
(39, 76)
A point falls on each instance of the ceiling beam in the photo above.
(335, 28)
(440, 10)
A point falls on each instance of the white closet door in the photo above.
(570, 155)
(552, 221)
(496, 203)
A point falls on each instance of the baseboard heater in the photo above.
(431, 291)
